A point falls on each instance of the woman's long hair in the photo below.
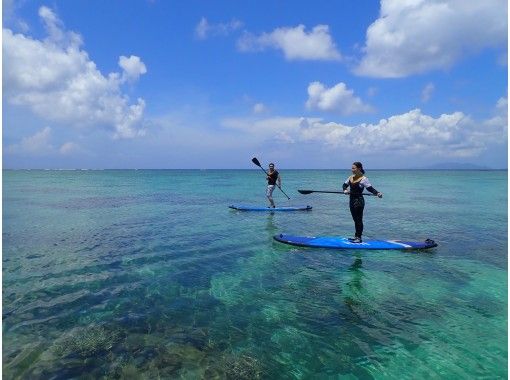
(359, 165)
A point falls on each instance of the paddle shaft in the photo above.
(256, 162)
(333, 192)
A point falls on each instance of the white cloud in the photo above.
(295, 43)
(427, 91)
(69, 148)
(331, 134)
(201, 28)
(412, 133)
(58, 81)
(405, 140)
(204, 29)
(10, 17)
(497, 125)
(133, 67)
(259, 108)
(338, 99)
(502, 105)
(23, 26)
(37, 144)
(284, 137)
(411, 37)
(449, 135)
(263, 127)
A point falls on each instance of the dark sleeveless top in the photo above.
(272, 178)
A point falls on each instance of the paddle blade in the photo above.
(255, 161)
(306, 191)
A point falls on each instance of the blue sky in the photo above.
(202, 84)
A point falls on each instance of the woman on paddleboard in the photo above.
(272, 178)
(357, 182)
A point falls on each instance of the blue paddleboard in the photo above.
(259, 208)
(345, 243)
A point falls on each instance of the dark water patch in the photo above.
(60, 315)
(19, 364)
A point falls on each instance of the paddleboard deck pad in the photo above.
(262, 208)
(345, 243)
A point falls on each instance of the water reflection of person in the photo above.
(270, 225)
(353, 297)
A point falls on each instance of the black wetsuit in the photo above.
(357, 201)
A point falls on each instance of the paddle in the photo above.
(256, 162)
(332, 192)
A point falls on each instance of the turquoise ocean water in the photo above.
(147, 274)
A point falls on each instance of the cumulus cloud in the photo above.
(338, 99)
(296, 43)
(411, 37)
(448, 135)
(427, 91)
(498, 124)
(56, 79)
(204, 29)
(133, 67)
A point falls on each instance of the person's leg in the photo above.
(357, 205)
(269, 195)
(354, 217)
(357, 217)
(358, 222)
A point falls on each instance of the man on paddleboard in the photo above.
(272, 178)
(357, 182)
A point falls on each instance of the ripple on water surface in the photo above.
(149, 274)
